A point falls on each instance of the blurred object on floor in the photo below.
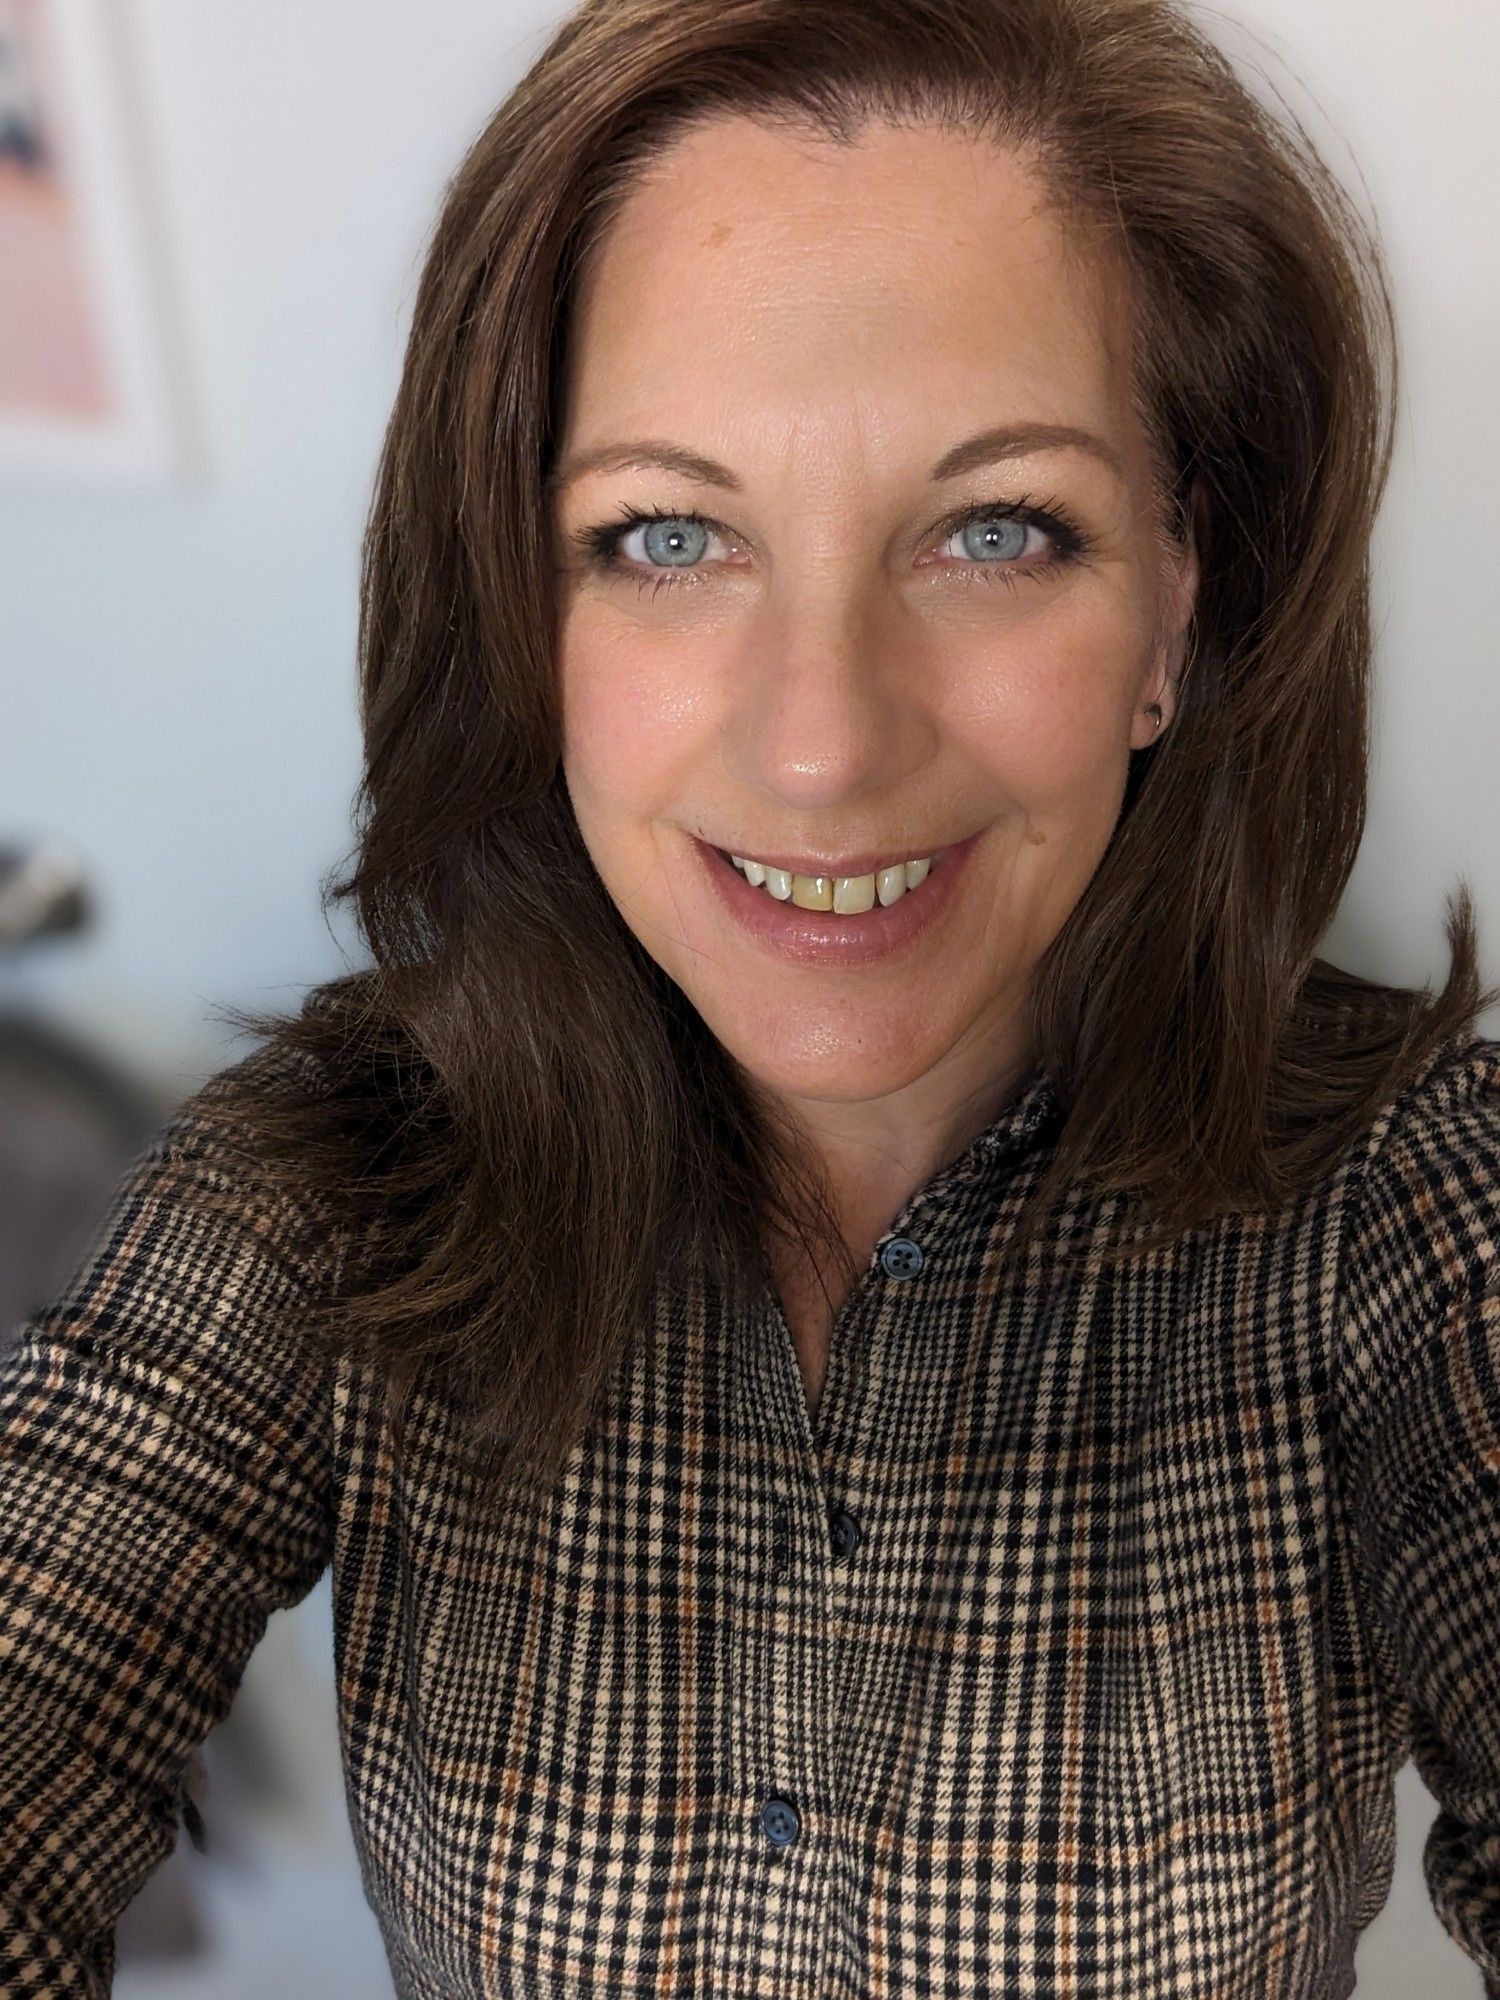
(41, 892)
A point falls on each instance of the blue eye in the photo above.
(994, 536)
(674, 540)
(999, 536)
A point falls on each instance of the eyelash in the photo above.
(600, 543)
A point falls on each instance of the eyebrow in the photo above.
(984, 448)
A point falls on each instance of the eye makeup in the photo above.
(600, 542)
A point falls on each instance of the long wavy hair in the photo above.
(514, 1122)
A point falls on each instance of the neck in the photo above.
(874, 1160)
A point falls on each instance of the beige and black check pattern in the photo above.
(1071, 1651)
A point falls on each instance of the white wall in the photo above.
(177, 670)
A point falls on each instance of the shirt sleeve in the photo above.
(165, 1484)
(1419, 1422)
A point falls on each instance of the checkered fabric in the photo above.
(1071, 1650)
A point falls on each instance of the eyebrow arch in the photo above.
(984, 448)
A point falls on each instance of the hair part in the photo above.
(520, 1128)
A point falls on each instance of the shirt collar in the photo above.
(1007, 1134)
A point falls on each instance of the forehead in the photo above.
(755, 275)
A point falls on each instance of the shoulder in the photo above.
(190, 1304)
(205, 1176)
(1431, 1164)
(1419, 1292)
(1417, 1367)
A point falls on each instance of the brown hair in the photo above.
(521, 1127)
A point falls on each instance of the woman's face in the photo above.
(814, 655)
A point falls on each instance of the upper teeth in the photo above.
(847, 894)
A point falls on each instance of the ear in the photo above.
(1179, 575)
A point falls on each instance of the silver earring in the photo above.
(1154, 708)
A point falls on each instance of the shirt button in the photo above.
(845, 1531)
(780, 1820)
(901, 1257)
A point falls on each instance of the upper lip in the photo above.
(868, 863)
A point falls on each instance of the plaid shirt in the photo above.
(1070, 1651)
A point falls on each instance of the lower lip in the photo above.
(817, 937)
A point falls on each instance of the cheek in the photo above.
(628, 719)
(1050, 722)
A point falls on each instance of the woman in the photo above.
(899, 1380)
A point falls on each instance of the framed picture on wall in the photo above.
(87, 391)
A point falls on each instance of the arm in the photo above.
(165, 1483)
(1419, 1423)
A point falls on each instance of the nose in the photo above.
(828, 700)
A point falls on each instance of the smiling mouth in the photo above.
(840, 895)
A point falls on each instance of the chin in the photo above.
(837, 1064)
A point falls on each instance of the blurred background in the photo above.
(211, 225)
